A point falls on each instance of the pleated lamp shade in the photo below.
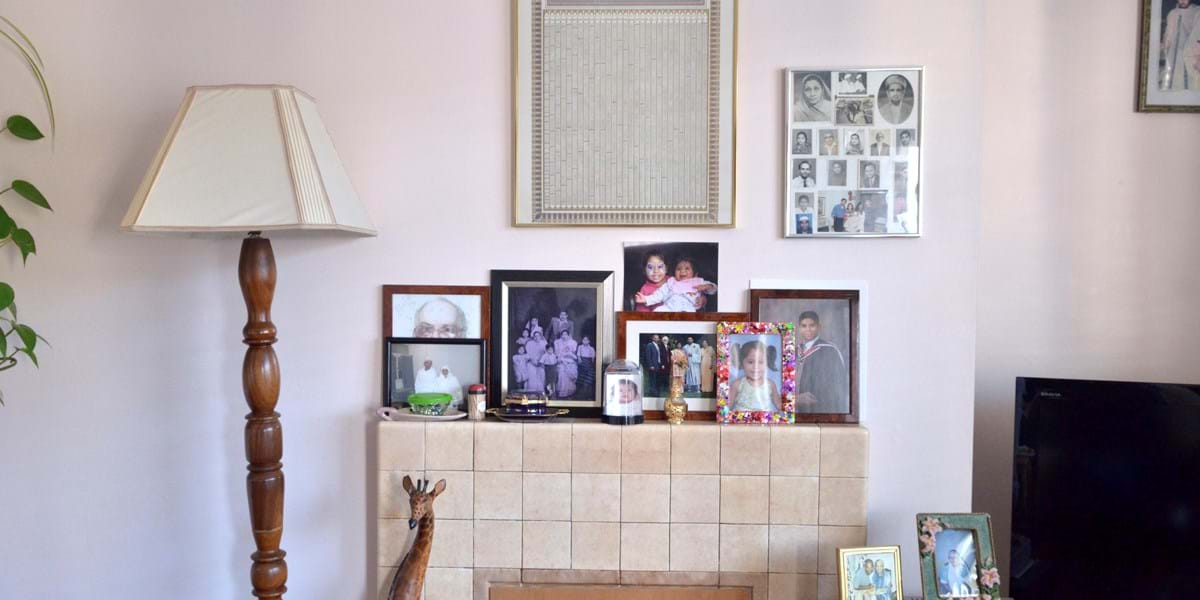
(247, 158)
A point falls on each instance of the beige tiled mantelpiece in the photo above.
(699, 504)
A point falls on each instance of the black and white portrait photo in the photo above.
(852, 83)
(1169, 73)
(804, 173)
(811, 99)
(896, 99)
(855, 141)
(868, 174)
(804, 202)
(906, 140)
(836, 176)
(552, 333)
(671, 277)
(874, 208)
(856, 111)
(436, 366)
(829, 142)
(802, 141)
(881, 142)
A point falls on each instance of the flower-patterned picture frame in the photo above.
(756, 372)
(957, 558)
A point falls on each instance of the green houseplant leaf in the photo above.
(7, 295)
(23, 128)
(7, 225)
(3, 345)
(31, 355)
(28, 336)
(30, 193)
(24, 240)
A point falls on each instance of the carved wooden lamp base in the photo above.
(264, 433)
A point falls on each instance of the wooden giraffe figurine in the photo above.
(410, 579)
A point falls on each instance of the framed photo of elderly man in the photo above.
(827, 348)
(552, 333)
(870, 573)
(865, 180)
(1169, 70)
(436, 311)
(957, 558)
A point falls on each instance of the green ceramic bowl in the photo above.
(433, 405)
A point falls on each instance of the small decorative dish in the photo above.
(430, 404)
(526, 403)
(518, 417)
(387, 413)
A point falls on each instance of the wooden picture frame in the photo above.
(851, 566)
(969, 532)
(524, 300)
(390, 292)
(772, 346)
(792, 303)
(632, 325)
(1169, 64)
(393, 371)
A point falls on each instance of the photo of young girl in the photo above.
(671, 277)
(754, 372)
(756, 364)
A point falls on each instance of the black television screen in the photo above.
(1106, 490)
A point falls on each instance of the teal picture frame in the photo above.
(932, 527)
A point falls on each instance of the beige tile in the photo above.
(696, 449)
(547, 447)
(695, 547)
(547, 497)
(393, 500)
(745, 499)
(498, 495)
(744, 548)
(448, 584)
(827, 587)
(596, 546)
(498, 544)
(498, 447)
(843, 501)
(595, 497)
(595, 448)
(844, 450)
(794, 500)
(830, 538)
(757, 582)
(484, 578)
(796, 450)
(394, 540)
(695, 498)
(673, 578)
(384, 583)
(458, 500)
(746, 450)
(569, 576)
(546, 545)
(449, 446)
(646, 448)
(454, 542)
(793, 549)
(645, 498)
(792, 587)
(401, 446)
(645, 547)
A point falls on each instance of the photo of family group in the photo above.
(551, 334)
(852, 152)
(671, 277)
(690, 356)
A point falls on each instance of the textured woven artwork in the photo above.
(621, 113)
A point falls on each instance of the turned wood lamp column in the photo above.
(264, 433)
(251, 158)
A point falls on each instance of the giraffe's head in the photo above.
(420, 499)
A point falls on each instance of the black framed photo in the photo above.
(430, 365)
(827, 348)
(1169, 70)
(552, 333)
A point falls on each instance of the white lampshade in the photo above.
(247, 158)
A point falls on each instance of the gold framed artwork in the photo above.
(623, 112)
(1169, 69)
(870, 573)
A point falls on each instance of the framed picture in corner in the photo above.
(1169, 69)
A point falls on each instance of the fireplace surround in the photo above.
(697, 505)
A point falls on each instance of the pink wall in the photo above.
(121, 459)
(1088, 230)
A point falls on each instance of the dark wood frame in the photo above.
(1144, 62)
(484, 292)
(604, 339)
(623, 319)
(387, 362)
(854, 297)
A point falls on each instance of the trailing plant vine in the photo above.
(17, 338)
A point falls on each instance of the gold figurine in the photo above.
(675, 406)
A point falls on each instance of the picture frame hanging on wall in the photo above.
(827, 348)
(587, 150)
(552, 333)
(1169, 65)
(648, 339)
(852, 152)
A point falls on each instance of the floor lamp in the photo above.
(249, 159)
